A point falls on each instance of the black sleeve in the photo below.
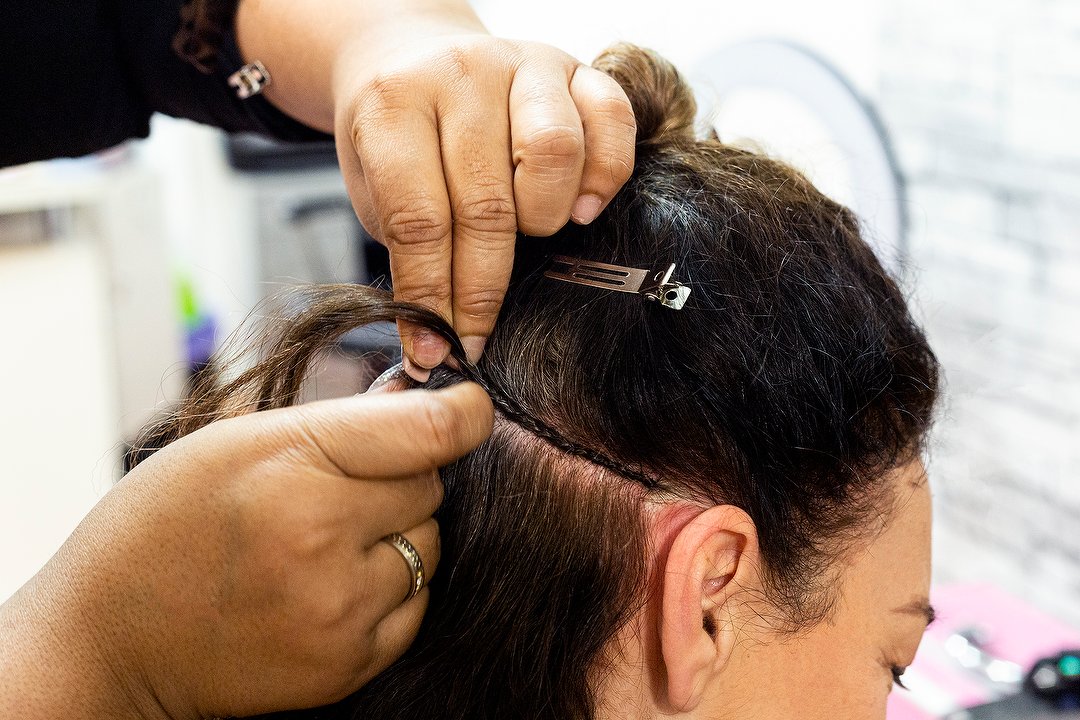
(83, 75)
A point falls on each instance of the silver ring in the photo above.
(412, 559)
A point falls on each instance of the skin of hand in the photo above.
(449, 140)
(240, 569)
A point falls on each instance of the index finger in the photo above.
(400, 434)
(480, 180)
(395, 136)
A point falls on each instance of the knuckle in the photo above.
(473, 57)
(556, 147)
(333, 608)
(369, 221)
(615, 146)
(299, 533)
(425, 287)
(488, 207)
(620, 166)
(479, 303)
(426, 290)
(299, 438)
(416, 221)
(455, 63)
(375, 104)
(313, 542)
(617, 110)
(385, 91)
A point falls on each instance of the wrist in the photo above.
(305, 43)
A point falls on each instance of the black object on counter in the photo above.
(1051, 692)
(1057, 678)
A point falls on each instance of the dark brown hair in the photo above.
(791, 382)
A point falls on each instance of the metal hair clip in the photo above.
(656, 286)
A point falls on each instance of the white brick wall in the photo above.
(983, 101)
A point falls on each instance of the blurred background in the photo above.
(949, 125)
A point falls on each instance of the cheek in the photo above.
(849, 689)
(825, 676)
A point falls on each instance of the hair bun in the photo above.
(663, 103)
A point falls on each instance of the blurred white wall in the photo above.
(208, 214)
(57, 440)
(843, 31)
(90, 342)
(983, 100)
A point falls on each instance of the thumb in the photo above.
(392, 434)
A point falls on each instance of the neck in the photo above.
(628, 692)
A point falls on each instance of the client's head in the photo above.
(718, 510)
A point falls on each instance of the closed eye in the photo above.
(919, 608)
(898, 676)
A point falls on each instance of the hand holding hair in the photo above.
(242, 569)
(449, 140)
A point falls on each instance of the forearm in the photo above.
(301, 41)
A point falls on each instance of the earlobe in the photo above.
(712, 558)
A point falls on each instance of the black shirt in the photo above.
(82, 75)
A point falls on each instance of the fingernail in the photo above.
(474, 346)
(585, 209)
(428, 349)
(418, 374)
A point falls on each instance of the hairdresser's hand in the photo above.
(240, 569)
(452, 143)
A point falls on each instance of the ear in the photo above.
(713, 559)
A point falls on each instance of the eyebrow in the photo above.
(920, 607)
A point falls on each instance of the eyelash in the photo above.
(898, 676)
